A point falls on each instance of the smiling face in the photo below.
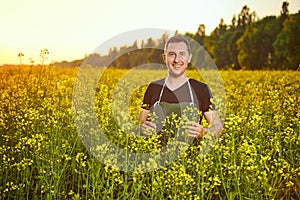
(177, 57)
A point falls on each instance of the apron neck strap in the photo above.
(162, 90)
(190, 90)
(191, 93)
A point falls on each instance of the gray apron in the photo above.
(163, 110)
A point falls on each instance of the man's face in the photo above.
(177, 58)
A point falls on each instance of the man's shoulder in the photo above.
(197, 84)
(158, 82)
(155, 86)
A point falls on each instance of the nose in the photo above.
(176, 59)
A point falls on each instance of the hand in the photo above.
(148, 128)
(195, 129)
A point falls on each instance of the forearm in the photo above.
(214, 130)
(216, 125)
(143, 116)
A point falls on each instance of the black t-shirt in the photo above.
(201, 93)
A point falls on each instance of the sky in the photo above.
(71, 29)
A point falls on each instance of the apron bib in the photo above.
(164, 110)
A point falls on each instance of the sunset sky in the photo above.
(69, 29)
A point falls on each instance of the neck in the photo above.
(175, 82)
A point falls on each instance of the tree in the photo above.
(255, 46)
(112, 54)
(287, 43)
(284, 12)
(284, 9)
(221, 50)
(233, 50)
(220, 29)
(218, 45)
(245, 18)
(222, 44)
(200, 34)
(233, 22)
(150, 43)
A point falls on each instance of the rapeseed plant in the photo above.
(43, 157)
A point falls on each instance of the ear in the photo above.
(190, 58)
(163, 57)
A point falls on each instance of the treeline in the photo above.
(247, 43)
(149, 51)
(270, 43)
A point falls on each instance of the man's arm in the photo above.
(216, 126)
(214, 121)
(147, 127)
(143, 115)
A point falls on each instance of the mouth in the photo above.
(177, 66)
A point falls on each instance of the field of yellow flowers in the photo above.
(43, 157)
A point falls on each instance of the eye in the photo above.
(183, 54)
(171, 54)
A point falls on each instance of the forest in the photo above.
(248, 43)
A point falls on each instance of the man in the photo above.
(177, 89)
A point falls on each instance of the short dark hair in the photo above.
(178, 38)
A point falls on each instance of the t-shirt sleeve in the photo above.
(147, 98)
(207, 100)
